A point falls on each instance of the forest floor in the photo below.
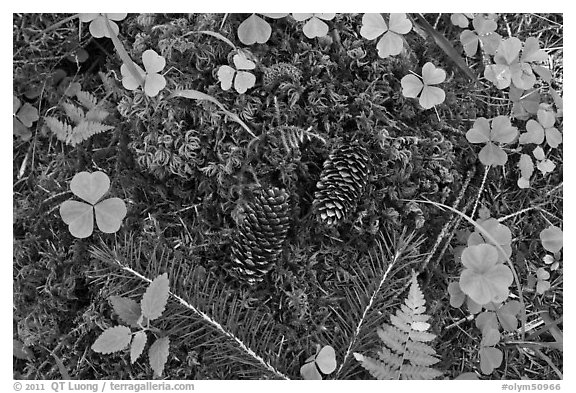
(189, 122)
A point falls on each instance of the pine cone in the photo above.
(341, 184)
(258, 241)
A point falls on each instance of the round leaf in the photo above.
(457, 297)
(553, 137)
(390, 44)
(484, 280)
(483, 25)
(129, 81)
(325, 15)
(490, 359)
(498, 74)
(480, 132)
(241, 62)
(373, 26)
(545, 166)
(109, 214)
(526, 166)
(490, 42)
(534, 133)
(486, 320)
(502, 130)
(508, 51)
(469, 41)
(152, 61)
(460, 20)
(90, 186)
(309, 371)
(113, 339)
(153, 83)
(538, 153)
(522, 75)
(552, 239)
(243, 81)
(542, 286)
(315, 27)
(411, 86)
(326, 360)
(431, 96)
(27, 114)
(300, 17)
(546, 117)
(507, 315)
(399, 23)
(79, 216)
(254, 30)
(490, 336)
(225, 76)
(532, 51)
(492, 155)
(431, 75)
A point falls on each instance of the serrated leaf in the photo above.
(113, 339)
(60, 129)
(128, 310)
(109, 214)
(155, 298)
(552, 239)
(490, 359)
(87, 99)
(138, 344)
(75, 113)
(326, 359)
(158, 355)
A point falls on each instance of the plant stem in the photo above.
(123, 54)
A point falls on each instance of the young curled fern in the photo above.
(405, 353)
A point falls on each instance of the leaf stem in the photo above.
(126, 59)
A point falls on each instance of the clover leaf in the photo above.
(79, 216)
(486, 131)
(536, 131)
(490, 357)
(414, 86)
(499, 232)
(526, 169)
(542, 285)
(24, 116)
(153, 81)
(324, 359)
(524, 102)
(391, 43)
(243, 80)
(484, 279)
(315, 27)
(544, 164)
(98, 23)
(552, 239)
(510, 68)
(254, 29)
(484, 34)
(461, 20)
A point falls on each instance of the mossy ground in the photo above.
(182, 201)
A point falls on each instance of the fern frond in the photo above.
(97, 114)
(59, 128)
(87, 99)
(405, 354)
(370, 292)
(75, 113)
(85, 130)
(203, 315)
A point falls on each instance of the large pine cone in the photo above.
(258, 240)
(341, 183)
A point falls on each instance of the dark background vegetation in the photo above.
(181, 217)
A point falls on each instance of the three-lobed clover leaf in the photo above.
(153, 81)
(510, 67)
(324, 359)
(98, 27)
(487, 131)
(536, 131)
(315, 25)
(542, 284)
(484, 279)
(544, 165)
(429, 96)
(243, 80)
(24, 116)
(490, 357)
(499, 232)
(484, 34)
(524, 102)
(255, 29)
(79, 216)
(391, 43)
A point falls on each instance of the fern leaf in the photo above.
(405, 349)
(60, 129)
(97, 114)
(75, 113)
(85, 130)
(87, 99)
(378, 369)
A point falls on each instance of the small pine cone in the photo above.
(258, 240)
(341, 183)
